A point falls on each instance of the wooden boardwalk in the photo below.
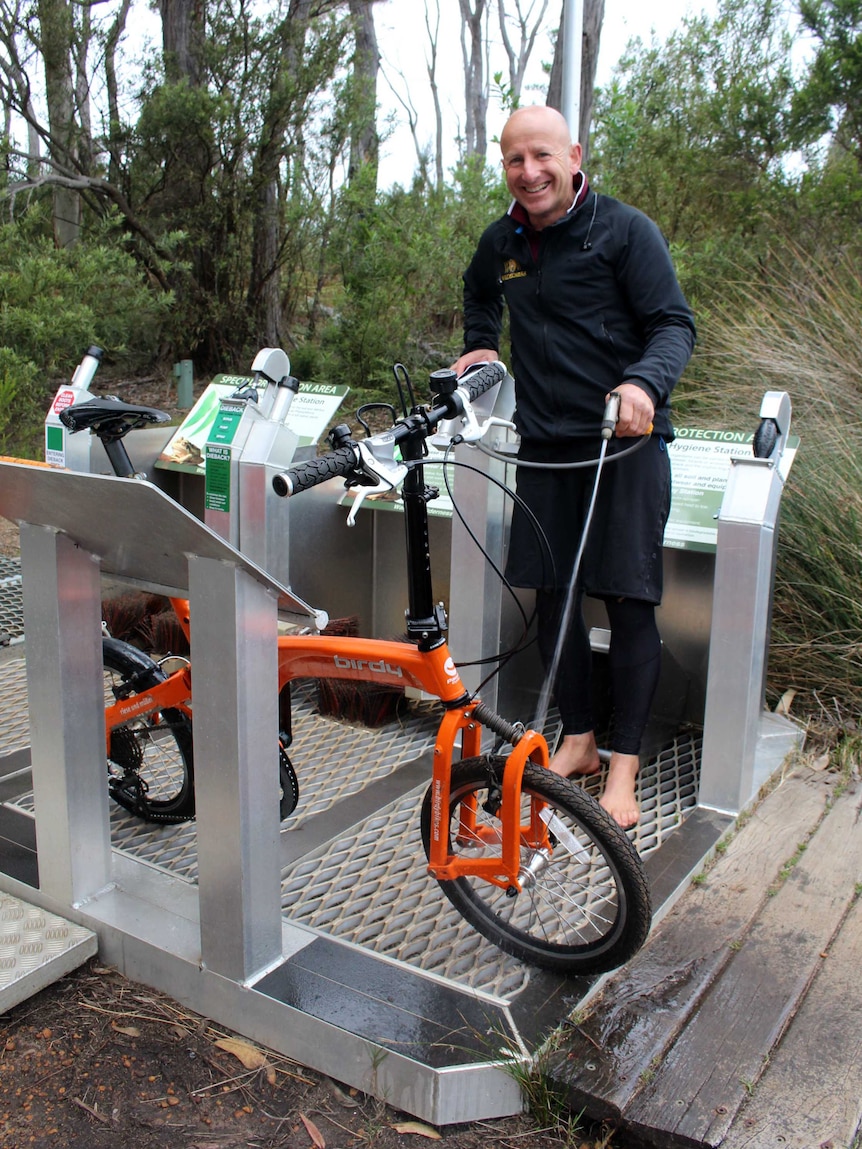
(740, 1022)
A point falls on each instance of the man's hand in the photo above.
(480, 356)
(637, 411)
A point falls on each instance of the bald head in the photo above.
(540, 162)
(536, 118)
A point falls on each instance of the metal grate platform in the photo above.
(11, 601)
(368, 885)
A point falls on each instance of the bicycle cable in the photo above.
(514, 461)
(527, 622)
(501, 660)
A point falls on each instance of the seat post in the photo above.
(118, 456)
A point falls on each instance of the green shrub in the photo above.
(22, 406)
(799, 331)
(56, 303)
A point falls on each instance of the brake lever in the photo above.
(386, 469)
(471, 430)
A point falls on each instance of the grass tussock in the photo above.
(799, 330)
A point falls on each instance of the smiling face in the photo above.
(540, 162)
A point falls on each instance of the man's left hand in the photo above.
(637, 411)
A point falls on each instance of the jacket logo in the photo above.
(512, 270)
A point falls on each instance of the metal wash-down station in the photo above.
(322, 936)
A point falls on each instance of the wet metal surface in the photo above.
(416, 1016)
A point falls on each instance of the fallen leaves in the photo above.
(417, 1128)
(314, 1133)
(247, 1055)
(128, 1030)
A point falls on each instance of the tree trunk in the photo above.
(56, 28)
(264, 295)
(183, 40)
(364, 142)
(114, 120)
(594, 14)
(433, 41)
(475, 88)
(518, 57)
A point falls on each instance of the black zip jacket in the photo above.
(600, 306)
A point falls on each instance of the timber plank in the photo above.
(810, 1093)
(602, 1063)
(719, 1056)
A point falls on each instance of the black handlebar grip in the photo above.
(315, 471)
(483, 379)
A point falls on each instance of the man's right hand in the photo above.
(482, 355)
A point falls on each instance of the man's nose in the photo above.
(531, 168)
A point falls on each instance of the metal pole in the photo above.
(573, 37)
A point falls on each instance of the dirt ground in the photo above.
(97, 1062)
(8, 538)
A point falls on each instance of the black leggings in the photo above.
(634, 657)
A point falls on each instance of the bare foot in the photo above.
(619, 794)
(576, 754)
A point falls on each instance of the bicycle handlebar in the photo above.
(373, 459)
(313, 471)
(485, 377)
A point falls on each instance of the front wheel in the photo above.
(584, 904)
(150, 760)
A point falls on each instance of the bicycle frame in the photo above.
(395, 664)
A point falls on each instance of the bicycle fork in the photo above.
(505, 869)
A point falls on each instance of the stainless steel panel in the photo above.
(236, 764)
(66, 705)
(132, 527)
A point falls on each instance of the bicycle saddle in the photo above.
(110, 418)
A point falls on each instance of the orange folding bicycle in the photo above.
(528, 858)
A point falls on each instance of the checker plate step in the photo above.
(37, 948)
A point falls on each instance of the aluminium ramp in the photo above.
(37, 948)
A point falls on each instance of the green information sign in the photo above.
(217, 491)
(226, 423)
(700, 467)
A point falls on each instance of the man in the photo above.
(594, 308)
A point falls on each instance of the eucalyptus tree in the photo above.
(364, 140)
(695, 130)
(526, 18)
(829, 102)
(474, 15)
(61, 39)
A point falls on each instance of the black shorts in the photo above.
(623, 555)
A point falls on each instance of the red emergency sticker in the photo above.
(62, 400)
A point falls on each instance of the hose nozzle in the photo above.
(611, 415)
